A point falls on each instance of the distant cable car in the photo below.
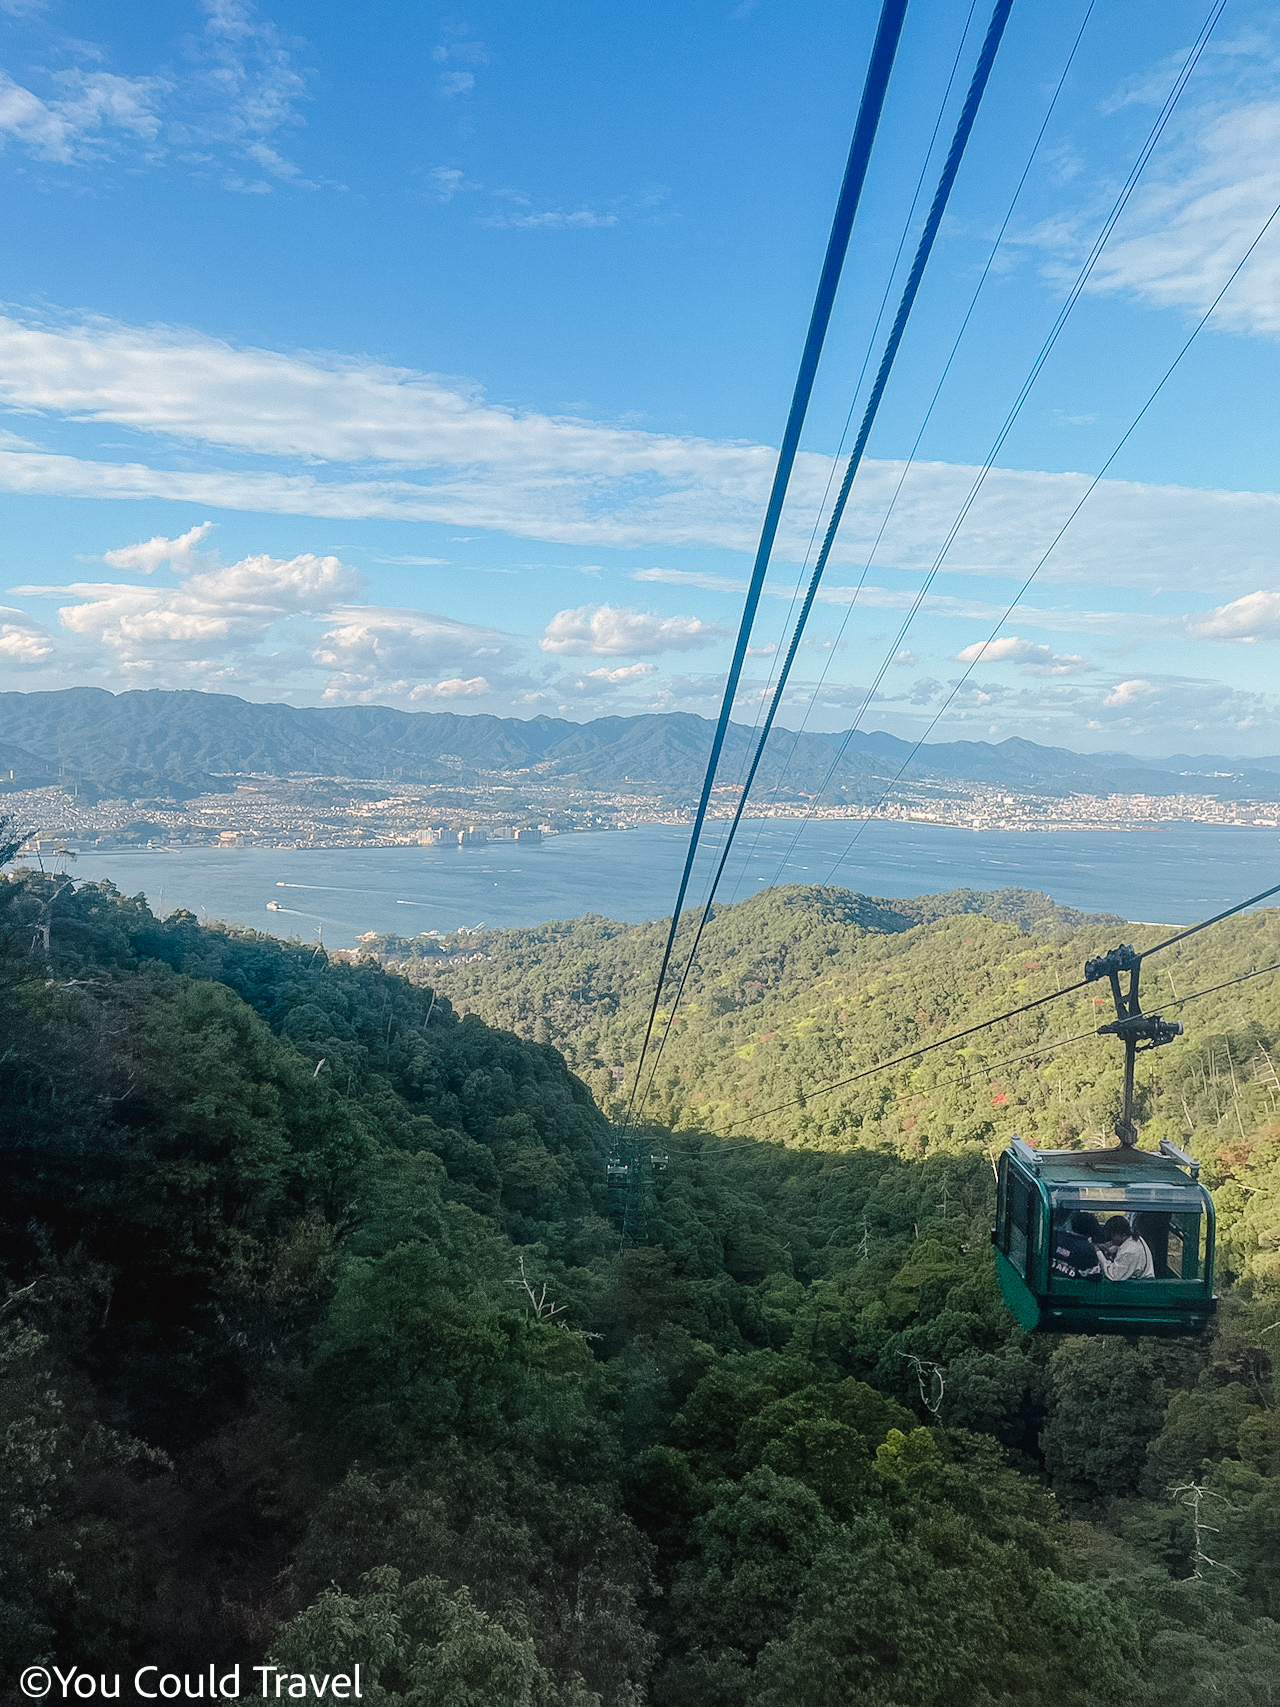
(616, 1171)
(1064, 1218)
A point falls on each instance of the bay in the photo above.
(1170, 876)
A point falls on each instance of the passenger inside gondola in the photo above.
(1074, 1238)
(1123, 1254)
(1073, 1228)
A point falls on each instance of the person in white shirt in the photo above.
(1123, 1255)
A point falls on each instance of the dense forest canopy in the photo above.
(325, 1335)
(800, 987)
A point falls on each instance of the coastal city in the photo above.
(320, 812)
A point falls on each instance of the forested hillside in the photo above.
(323, 1333)
(134, 740)
(799, 987)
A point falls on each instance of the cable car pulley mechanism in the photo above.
(1136, 1030)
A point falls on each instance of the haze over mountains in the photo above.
(1024, 765)
(127, 743)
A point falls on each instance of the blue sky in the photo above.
(409, 356)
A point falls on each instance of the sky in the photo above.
(405, 356)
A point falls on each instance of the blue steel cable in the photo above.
(964, 127)
(933, 401)
(888, 32)
(866, 359)
(1055, 331)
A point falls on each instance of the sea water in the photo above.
(1163, 875)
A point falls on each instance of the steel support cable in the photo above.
(977, 1071)
(938, 1043)
(1193, 930)
(946, 182)
(1212, 989)
(1046, 349)
(1040, 1001)
(942, 379)
(871, 344)
(1012, 1060)
(884, 49)
(988, 1067)
(1057, 538)
(866, 361)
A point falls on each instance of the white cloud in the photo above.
(455, 688)
(1186, 233)
(693, 578)
(907, 659)
(934, 604)
(238, 90)
(1188, 712)
(1254, 617)
(271, 584)
(153, 553)
(215, 608)
(1129, 693)
(1007, 647)
(1158, 715)
(461, 51)
(599, 685)
(604, 629)
(72, 127)
(458, 52)
(445, 182)
(418, 562)
(382, 651)
(568, 480)
(22, 639)
(551, 219)
(1036, 660)
(619, 677)
(245, 90)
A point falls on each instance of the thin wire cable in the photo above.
(1215, 920)
(1043, 1049)
(924, 248)
(883, 52)
(1037, 366)
(1071, 989)
(1054, 543)
(979, 1070)
(1213, 989)
(933, 401)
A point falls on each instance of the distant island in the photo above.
(190, 769)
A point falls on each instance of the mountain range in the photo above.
(186, 740)
(1030, 768)
(150, 741)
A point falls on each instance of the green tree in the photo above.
(1107, 1404)
(417, 1645)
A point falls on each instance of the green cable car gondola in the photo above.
(1051, 1203)
(1114, 1241)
